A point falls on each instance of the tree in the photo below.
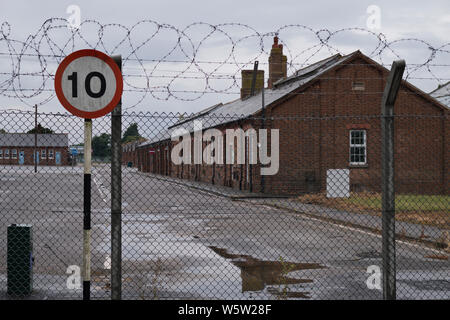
(40, 129)
(131, 134)
(101, 145)
(3, 131)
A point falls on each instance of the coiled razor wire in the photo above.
(33, 61)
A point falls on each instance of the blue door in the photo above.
(58, 157)
(21, 157)
(36, 157)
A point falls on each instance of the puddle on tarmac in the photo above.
(288, 294)
(258, 274)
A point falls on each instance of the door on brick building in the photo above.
(249, 154)
(166, 162)
(21, 157)
(58, 157)
(36, 157)
(247, 159)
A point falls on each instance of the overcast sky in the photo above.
(425, 20)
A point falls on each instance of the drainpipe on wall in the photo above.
(241, 166)
(263, 124)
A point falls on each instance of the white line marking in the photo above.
(360, 231)
(106, 196)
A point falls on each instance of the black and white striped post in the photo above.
(87, 209)
(89, 84)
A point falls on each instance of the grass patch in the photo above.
(421, 209)
(403, 202)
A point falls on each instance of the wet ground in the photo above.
(184, 243)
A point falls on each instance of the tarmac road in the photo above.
(183, 243)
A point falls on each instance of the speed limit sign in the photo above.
(88, 83)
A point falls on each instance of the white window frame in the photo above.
(13, 153)
(6, 156)
(43, 154)
(353, 145)
(50, 153)
(358, 86)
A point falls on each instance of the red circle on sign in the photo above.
(117, 74)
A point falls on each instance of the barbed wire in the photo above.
(223, 116)
(201, 54)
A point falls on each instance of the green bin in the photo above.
(129, 164)
(20, 260)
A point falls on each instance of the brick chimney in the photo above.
(247, 77)
(277, 63)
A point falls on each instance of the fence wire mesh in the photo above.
(275, 195)
(221, 230)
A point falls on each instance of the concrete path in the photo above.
(403, 229)
(180, 242)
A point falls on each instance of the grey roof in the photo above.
(198, 114)
(27, 140)
(239, 109)
(160, 136)
(442, 94)
(242, 108)
(166, 134)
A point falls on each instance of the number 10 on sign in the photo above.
(89, 84)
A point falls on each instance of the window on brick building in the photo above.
(14, 154)
(1, 153)
(50, 153)
(231, 151)
(358, 86)
(6, 153)
(213, 151)
(358, 147)
(43, 154)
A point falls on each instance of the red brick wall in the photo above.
(28, 156)
(309, 146)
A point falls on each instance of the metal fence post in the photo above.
(255, 71)
(387, 185)
(35, 138)
(87, 210)
(116, 197)
(263, 126)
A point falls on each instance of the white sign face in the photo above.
(88, 83)
(338, 183)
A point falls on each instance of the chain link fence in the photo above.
(217, 228)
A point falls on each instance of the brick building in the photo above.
(129, 151)
(18, 149)
(328, 116)
(154, 154)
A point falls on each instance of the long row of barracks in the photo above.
(328, 116)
